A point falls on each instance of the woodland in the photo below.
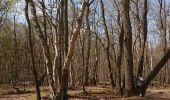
(84, 49)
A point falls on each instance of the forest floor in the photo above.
(101, 92)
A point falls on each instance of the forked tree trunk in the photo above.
(76, 32)
(47, 56)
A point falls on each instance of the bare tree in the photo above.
(43, 38)
(31, 46)
(89, 45)
(156, 70)
(64, 85)
(4, 8)
(108, 45)
(129, 84)
(144, 38)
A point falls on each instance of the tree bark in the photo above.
(118, 64)
(156, 70)
(108, 44)
(86, 82)
(65, 76)
(144, 35)
(65, 26)
(47, 55)
(31, 46)
(97, 53)
(120, 52)
(129, 77)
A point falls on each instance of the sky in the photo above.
(19, 7)
(20, 17)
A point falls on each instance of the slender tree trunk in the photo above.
(72, 76)
(56, 60)
(96, 64)
(65, 21)
(165, 38)
(34, 71)
(108, 45)
(120, 51)
(82, 42)
(144, 35)
(119, 61)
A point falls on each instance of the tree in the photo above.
(5, 6)
(34, 71)
(64, 85)
(43, 38)
(108, 45)
(120, 51)
(156, 70)
(102, 42)
(88, 44)
(129, 77)
(144, 38)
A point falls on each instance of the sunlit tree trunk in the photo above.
(47, 56)
(65, 76)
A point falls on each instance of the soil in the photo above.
(93, 93)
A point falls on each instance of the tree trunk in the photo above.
(108, 44)
(34, 71)
(120, 51)
(65, 21)
(47, 56)
(86, 82)
(144, 35)
(83, 62)
(96, 64)
(118, 64)
(156, 70)
(97, 51)
(65, 76)
(129, 77)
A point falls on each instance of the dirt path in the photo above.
(95, 93)
(159, 93)
(16, 97)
